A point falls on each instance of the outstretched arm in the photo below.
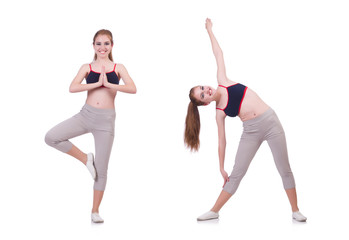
(218, 53)
(220, 118)
(128, 87)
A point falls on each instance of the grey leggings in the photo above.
(264, 127)
(99, 122)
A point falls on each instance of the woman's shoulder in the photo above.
(120, 67)
(85, 67)
(226, 82)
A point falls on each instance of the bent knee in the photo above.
(50, 139)
(59, 144)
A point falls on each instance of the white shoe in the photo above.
(208, 216)
(299, 217)
(96, 218)
(90, 165)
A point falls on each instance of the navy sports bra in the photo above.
(236, 94)
(93, 77)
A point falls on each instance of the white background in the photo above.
(294, 54)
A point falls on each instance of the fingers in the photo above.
(208, 22)
(226, 179)
(102, 72)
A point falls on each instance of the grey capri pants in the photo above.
(264, 127)
(99, 122)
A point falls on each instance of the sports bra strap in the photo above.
(114, 67)
(90, 67)
(222, 86)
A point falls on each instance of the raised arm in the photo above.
(220, 118)
(76, 85)
(128, 87)
(218, 53)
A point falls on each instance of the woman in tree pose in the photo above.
(97, 116)
(260, 123)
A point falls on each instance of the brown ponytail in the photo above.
(192, 123)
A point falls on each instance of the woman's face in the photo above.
(102, 46)
(204, 94)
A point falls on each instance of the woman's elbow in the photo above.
(222, 143)
(133, 90)
(72, 89)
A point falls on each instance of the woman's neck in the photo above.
(102, 61)
(217, 96)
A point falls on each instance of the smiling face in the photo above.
(103, 46)
(204, 94)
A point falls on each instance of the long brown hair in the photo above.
(192, 123)
(110, 35)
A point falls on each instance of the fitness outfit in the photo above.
(265, 127)
(99, 122)
(236, 94)
(93, 76)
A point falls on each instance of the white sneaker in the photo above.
(299, 217)
(90, 165)
(96, 218)
(208, 216)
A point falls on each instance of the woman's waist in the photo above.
(259, 118)
(247, 114)
(98, 108)
(101, 101)
(252, 106)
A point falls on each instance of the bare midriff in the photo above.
(101, 98)
(252, 106)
